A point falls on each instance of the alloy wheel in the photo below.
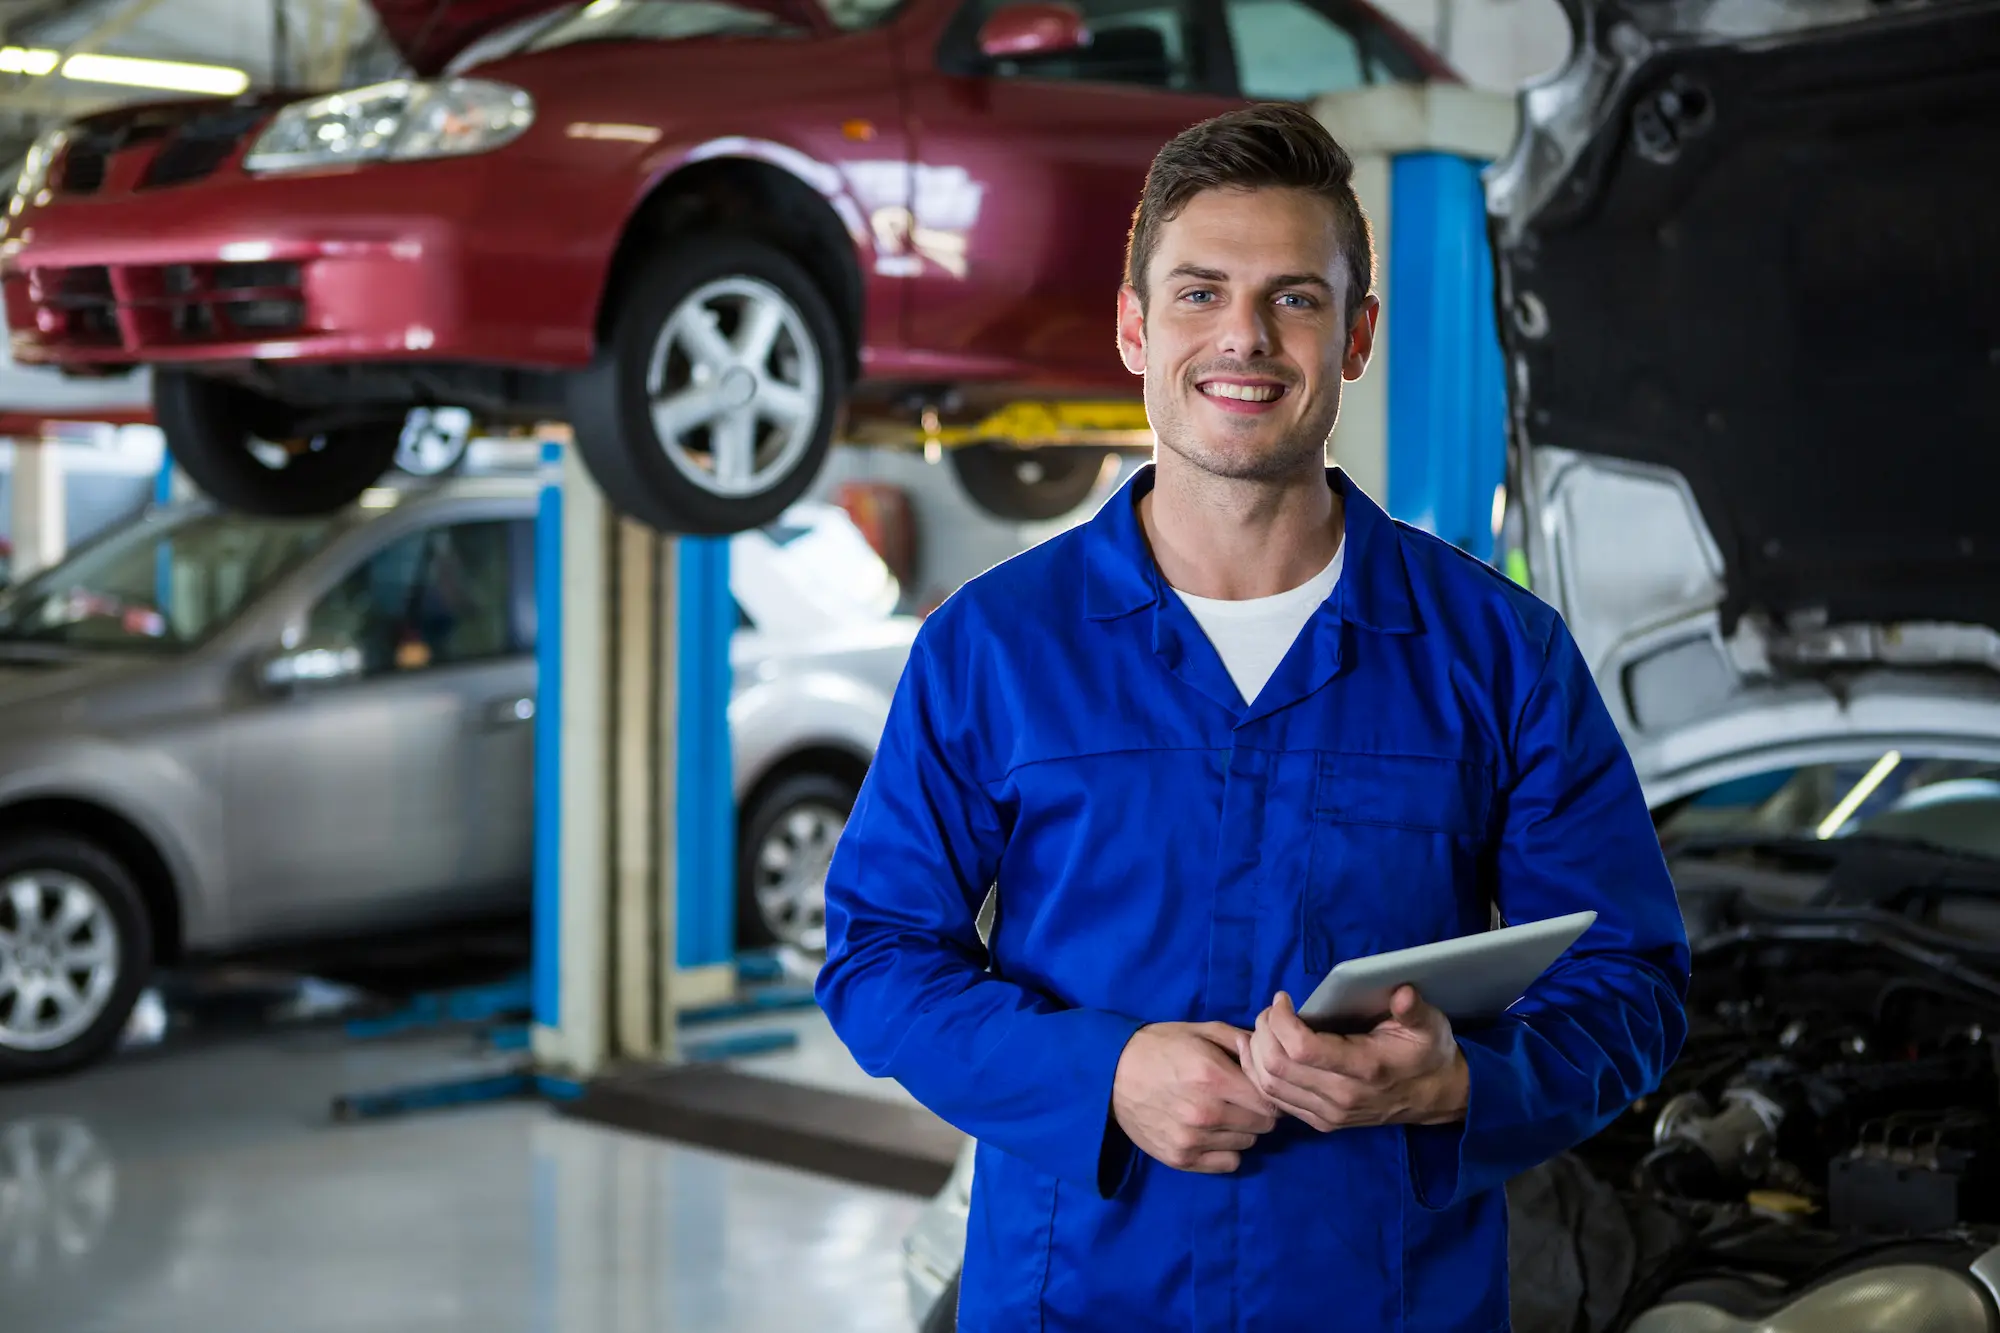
(59, 957)
(734, 388)
(792, 862)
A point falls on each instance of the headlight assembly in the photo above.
(401, 121)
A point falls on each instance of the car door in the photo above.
(1025, 175)
(374, 800)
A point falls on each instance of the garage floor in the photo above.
(205, 1189)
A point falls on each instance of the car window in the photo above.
(167, 582)
(854, 15)
(435, 598)
(1148, 43)
(663, 21)
(1287, 51)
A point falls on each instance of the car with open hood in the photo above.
(1747, 280)
(706, 232)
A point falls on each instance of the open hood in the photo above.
(429, 33)
(1749, 293)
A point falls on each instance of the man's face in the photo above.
(1243, 338)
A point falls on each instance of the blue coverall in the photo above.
(1432, 745)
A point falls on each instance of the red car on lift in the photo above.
(706, 232)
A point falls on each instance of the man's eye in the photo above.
(1199, 296)
(1298, 300)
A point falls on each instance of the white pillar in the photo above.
(40, 500)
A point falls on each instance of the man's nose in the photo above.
(1246, 331)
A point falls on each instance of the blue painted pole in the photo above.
(163, 554)
(1447, 397)
(546, 966)
(704, 802)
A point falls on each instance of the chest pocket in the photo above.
(1399, 855)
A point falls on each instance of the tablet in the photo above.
(1473, 979)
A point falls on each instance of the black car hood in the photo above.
(1758, 244)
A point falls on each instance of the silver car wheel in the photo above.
(792, 862)
(59, 959)
(734, 387)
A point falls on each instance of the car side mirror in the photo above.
(1032, 28)
(312, 663)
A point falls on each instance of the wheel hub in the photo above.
(739, 387)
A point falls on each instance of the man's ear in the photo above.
(1131, 330)
(1361, 338)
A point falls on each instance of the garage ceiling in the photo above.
(322, 44)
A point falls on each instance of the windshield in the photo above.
(662, 21)
(163, 584)
(1952, 804)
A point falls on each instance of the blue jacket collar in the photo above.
(1374, 587)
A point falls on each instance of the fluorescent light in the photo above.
(17, 60)
(1863, 789)
(170, 75)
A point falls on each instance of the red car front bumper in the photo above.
(388, 261)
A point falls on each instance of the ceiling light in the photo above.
(170, 75)
(16, 60)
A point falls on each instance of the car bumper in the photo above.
(433, 260)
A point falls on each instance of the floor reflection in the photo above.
(206, 1189)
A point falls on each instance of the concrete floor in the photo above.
(206, 1189)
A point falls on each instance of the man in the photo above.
(1238, 727)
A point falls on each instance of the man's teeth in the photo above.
(1249, 393)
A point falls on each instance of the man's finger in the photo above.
(1300, 1109)
(1218, 1034)
(1299, 1041)
(1216, 1163)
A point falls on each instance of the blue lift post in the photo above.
(1447, 440)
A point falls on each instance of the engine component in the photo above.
(1914, 1173)
(1704, 1153)
(1905, 1297)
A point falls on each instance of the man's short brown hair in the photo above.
(1260, 147)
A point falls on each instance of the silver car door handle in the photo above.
(510, 712)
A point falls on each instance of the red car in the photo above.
(708, 233)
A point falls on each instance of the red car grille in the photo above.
(183, 151)
(147, 305)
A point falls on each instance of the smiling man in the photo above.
(1235, 729)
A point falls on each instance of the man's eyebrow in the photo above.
(1201, 274)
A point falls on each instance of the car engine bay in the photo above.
(1825, 1154)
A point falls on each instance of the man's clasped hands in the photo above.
(1196, 1096)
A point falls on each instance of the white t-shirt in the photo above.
(1253, 635)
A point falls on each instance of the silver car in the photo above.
(219, 731)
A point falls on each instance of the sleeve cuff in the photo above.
(1116, 1162)
(1444, 1168)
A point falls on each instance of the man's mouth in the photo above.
(1248, 393)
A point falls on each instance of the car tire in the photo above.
(943, 1316)
(787, 839)
(216, 432)
(1027, 485)
(69, 911)
(685, 427)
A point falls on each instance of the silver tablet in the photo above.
(1473, 978)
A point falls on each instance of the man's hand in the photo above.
(1182, 1099)
(1404, 1071)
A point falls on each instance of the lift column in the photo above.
(1424, 431)
(634, 878)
